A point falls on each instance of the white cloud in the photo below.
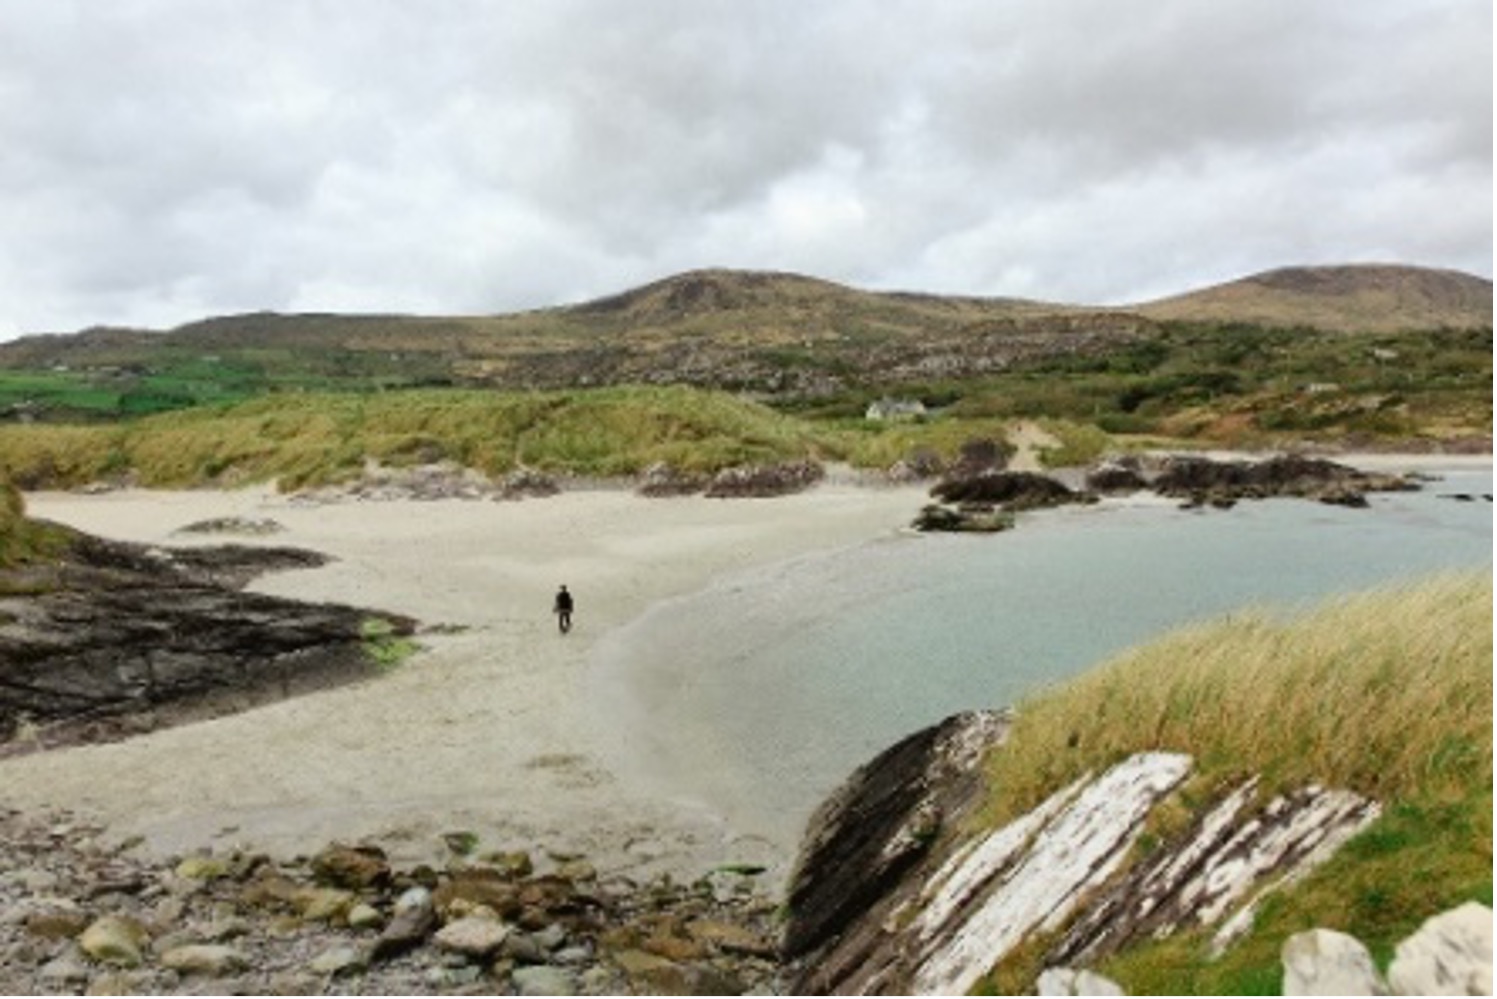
(168, 159)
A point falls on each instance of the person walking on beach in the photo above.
(563, 610)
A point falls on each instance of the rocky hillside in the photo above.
(778, 334)
(1367, 298)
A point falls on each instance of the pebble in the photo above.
(117, 940)
(204, 959)
(472, 936)
(230, 922)
(543, 980)
(340, 959)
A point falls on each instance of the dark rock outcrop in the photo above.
(1116, 475)
(1013, 490)
(987, 500)
(902, 891)
(968, 518)
(779, 479)
(1203, 480)
(114, 639)
(661, 479)
(866, 840)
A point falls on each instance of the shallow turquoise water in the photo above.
(757, 696)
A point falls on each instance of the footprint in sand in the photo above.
(571, 770)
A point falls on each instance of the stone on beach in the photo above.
(118, 940)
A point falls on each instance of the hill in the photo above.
(1267, 356)
(1362, 298)
(765, 331)
(774, 334)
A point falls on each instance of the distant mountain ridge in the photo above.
(1348, 297)
(772, 333)
(1373, 298)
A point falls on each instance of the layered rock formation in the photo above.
(896, 893)
(112, 639)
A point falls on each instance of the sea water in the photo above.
(757, 696)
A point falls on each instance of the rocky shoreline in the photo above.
(80, 914)
(985, 500)
(114, 639)
(81, 911)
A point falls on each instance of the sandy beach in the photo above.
(493, 727)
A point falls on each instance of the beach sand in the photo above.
(492, 728)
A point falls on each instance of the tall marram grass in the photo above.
(1388, 693)
(311, 439)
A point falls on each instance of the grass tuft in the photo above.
(1388, 693)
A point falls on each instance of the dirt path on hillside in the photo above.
(1029, 439)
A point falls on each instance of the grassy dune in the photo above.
(312, 439)
(1388, 693)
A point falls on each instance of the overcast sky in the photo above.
(165, 160)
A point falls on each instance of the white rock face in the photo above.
(1001, 891)
(1236, 855)
(1450, 955)
(1069, 982)
(1328, 963)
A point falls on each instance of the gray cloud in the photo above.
(168, 159)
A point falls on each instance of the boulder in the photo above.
(970, 518)
(1328, 963)
(1012, 490)
(1201, 479)
(1117, 475)
(1450, 955)
(1069, 982)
